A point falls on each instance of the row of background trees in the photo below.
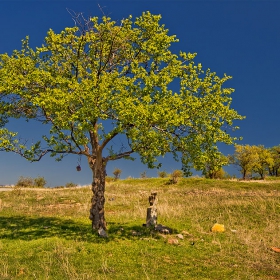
(250, 160)
(257, 160)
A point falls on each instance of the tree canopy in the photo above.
(102, 79)
(256, 159)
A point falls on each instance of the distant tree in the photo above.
(274, 169)
(221, 174)
(70, 185)
(25, 182)
(40, 182)
(143, 174)
(212, 164)
(117, 173)
(175, 175)
(31, 182)
(162, 174)
(245, 157)
(264, 162)
(101, 80)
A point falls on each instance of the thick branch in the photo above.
(119, 156)
(107, 140)
(94, 137)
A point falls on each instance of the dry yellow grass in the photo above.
(250, 212)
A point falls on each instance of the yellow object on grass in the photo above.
(218, 228)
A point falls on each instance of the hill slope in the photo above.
(45, 233)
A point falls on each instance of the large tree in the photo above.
(100, 80)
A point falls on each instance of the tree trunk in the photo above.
(97, 215)
(244, 174)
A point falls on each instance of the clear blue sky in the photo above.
(240, 38)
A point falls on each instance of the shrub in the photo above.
(176, 174)
(70, 185)
(117, 173)
(109, 179)
(40, 182)
(25, 182)
(143, 175)
(162, 174)
(220, 174)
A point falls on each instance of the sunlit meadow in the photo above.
(46, 234)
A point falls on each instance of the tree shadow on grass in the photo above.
(32, 228)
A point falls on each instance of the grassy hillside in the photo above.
(45, 234)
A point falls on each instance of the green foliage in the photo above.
(109, 179)
(7, 139)
(211, 166)
(220, 174)
(25, 182)
(162, 174)
(264, 162)
(122, 74)
(117, 173)
(175, 175)
(104, 80)
(28, 182)
(40, 182)
(245, 157)
(274, 169)
(256, 159)
(70, 185)
(44, 234)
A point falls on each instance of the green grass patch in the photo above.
(45, 234)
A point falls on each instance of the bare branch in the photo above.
(80, 21)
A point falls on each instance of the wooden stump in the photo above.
(151, 220)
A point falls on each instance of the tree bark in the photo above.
(97, 216)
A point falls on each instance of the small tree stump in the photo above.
(151, 220)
